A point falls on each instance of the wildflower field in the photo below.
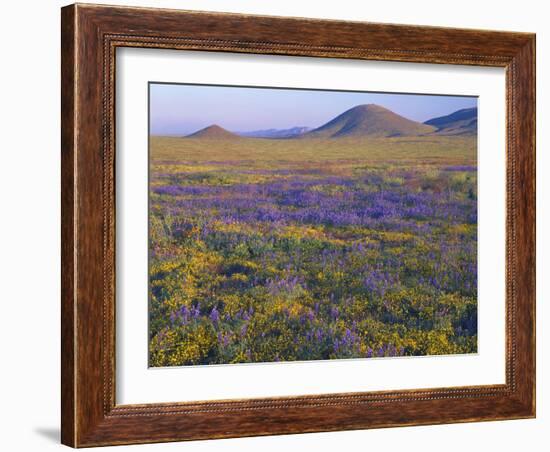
(268, 250)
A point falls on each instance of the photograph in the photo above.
(294, 224)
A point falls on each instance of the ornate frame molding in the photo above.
(90, 37)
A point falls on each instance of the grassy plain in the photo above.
(427, 149)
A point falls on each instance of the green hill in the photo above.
(370, 120)
(461, 122)
(213, 132)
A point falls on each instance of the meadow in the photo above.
(267, 250)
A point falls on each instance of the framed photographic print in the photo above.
(281, 225)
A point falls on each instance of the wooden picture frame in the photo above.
(90, 36)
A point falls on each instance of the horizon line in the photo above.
(240, 132)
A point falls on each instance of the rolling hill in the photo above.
(370, 120)
(461, 122)
(213, 132)
(361, 121)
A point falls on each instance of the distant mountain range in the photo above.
(276, 133)
(369, 120)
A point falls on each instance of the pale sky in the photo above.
(178, 109)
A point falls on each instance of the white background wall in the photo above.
(29, 226)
